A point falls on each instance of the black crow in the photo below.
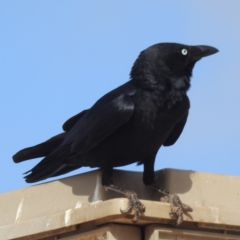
(127, 125)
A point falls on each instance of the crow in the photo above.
(129, 124)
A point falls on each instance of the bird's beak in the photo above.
(197, 52)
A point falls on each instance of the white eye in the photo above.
(184, 51)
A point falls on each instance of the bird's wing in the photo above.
(98, 123)
(72, 121)
(90, 129)
(176, 132)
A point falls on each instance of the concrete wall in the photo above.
(78, 207)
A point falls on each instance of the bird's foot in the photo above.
(176, 206)
(134, 203)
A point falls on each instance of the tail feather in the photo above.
(55, 157)
(39, 150)
(53, 164)
(52, 169)
(43, 173)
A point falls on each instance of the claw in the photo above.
(129, 207)
(177, 207)
(186, 208)
(135, 205)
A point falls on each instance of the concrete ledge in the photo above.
(156, 232)
(60, 206)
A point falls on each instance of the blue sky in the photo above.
(58, 57)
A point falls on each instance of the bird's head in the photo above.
(168, 60)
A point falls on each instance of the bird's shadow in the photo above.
(90, 184)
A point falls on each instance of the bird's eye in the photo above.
(184, 51)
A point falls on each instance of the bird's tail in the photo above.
(50, 169)
(39, 150)
(51, 165)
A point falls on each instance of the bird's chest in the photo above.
(153, 114)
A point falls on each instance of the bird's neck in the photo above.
(167, 90)
(176, 90)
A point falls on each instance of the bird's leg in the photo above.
(177, 207)
(134, 203)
